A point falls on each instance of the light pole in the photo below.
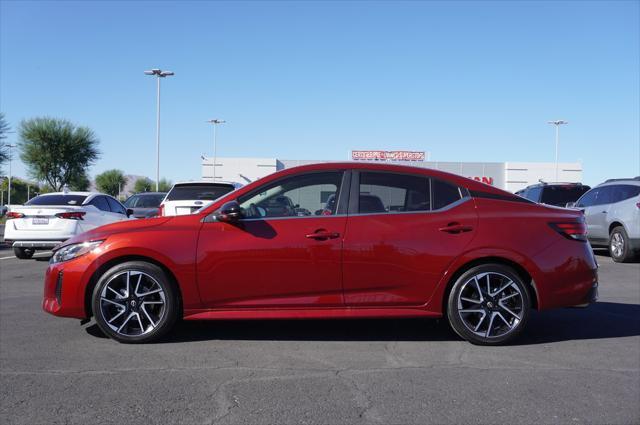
(159, 74)
(215, 123)
(9, 183)
(557, 123)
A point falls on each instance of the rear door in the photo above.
(402, 232)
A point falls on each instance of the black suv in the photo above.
(558, 194)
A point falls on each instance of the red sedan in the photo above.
(337, 240)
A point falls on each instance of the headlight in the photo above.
(70, 252)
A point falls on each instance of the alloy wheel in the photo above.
(617, 244)
(490, 305)
(132, 303)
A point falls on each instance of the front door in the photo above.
(401, 238)
(284, 252)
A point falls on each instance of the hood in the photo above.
(104, 232)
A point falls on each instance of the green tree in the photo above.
(164, 185)
(143, 184)
(4, 150)
(56, 151)
(111, 182)
(80, 183)
(20, 189)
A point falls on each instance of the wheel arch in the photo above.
(95, 277)
(615, 224)
(518, 268)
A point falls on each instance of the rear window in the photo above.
(561, 195)
(57, 200)
(198, 191)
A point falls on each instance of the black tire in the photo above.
(138, 329)
(493, 305)
(619, 248)
(23, 253)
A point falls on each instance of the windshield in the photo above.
(199, 191)
(57, 200)
(561, 195)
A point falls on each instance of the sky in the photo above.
(464, 81)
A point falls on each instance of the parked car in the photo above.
(48, 220)
(145, 204)
(398, 242)
(558, 194)
(612, 214)
(189, 197)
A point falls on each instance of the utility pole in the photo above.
(10, 160)
(215, 123)
(557, 123)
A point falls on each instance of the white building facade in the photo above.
(511, 176)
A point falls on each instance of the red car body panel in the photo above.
(380, 265)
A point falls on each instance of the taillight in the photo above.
(76, 215)
(161, 210)
(12, 214)
(574, 230)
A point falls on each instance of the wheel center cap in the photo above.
(133, 303)
(489, 304)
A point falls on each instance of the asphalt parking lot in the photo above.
(572, 366)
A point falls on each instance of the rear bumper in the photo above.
(37, 244)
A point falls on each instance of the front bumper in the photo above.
(65, 287)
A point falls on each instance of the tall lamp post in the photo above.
(557, 123)
(159, 74)
(215, 123)
(9, 182)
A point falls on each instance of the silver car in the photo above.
(612, 213)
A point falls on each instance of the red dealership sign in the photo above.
(387, 156)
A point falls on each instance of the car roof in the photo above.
(612, 182)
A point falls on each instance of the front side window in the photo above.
(389, 192)
(588, 199)
(534, 194)
(298, 196)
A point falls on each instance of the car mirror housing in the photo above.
(230, 212)
(129, 212)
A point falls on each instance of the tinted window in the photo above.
(57, 200)
(561, 195)
(605, 195)
(387, 192)
(299, 196)
(116, 207)
(588, 199)
(144, 201)
(533, 194)
(198, 191)
(100, 203)
(131, 201)
(443, 194)
(625, 191)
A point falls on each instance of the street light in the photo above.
(215, 123)
(159, 74)
(9, 185)
(557, 123)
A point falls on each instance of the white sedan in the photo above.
(47, 220)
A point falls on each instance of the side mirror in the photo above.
(129, 212)
(230, 212)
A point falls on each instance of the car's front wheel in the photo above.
(135, 302)
(619, 247)
(489, 304)
(23, 253)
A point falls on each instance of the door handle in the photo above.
(321, 235)
(603, 212)
(456, 228)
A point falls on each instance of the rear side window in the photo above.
(100, 203)
(443, 194)
(116, 207)
(389, 192)
(198, 191)
(624, 192)
(57, 200)
(561, 195)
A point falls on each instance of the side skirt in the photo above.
(308, 313)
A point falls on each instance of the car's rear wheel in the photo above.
(23, 253)
(619, 248)
(135, 302)
(489, 305)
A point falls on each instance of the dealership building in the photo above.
(511, 176)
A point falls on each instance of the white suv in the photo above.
(188, 197)
(49, 219)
